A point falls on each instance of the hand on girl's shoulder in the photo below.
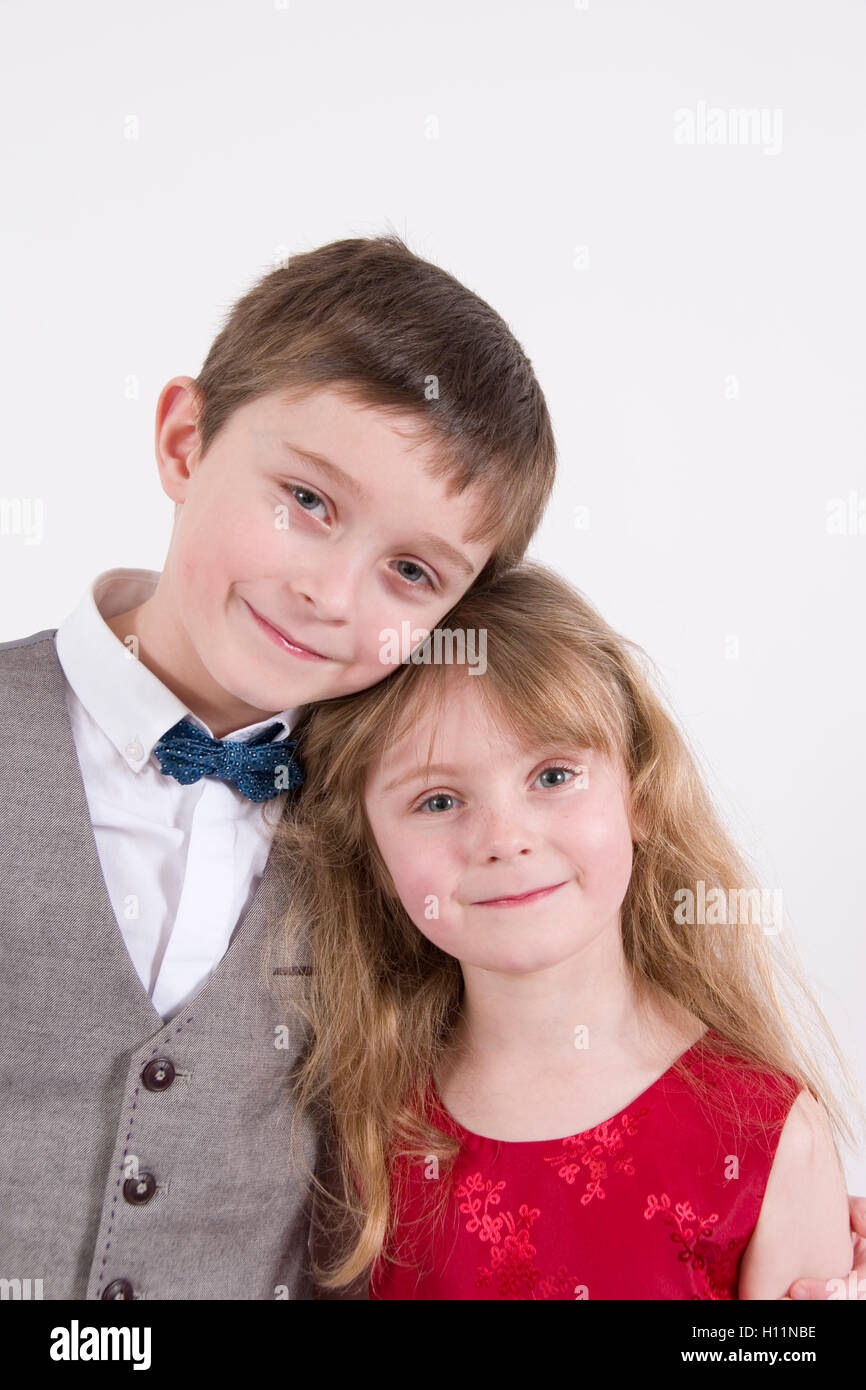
(803, 1229)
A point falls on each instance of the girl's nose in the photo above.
(503, 836)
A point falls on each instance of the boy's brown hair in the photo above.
(370, 318)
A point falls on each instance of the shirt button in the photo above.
(158, 1075)
(140, 1189)
(118, 1288)
(134, 750)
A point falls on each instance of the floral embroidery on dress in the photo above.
(512, 1269)
(694, 1233)
(487, 1226)
(592, 1150)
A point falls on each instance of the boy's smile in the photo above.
(285, 639)
(309, 530)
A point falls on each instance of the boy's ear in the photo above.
(177, 439)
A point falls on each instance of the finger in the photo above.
(810, 1288)
(857, 1207)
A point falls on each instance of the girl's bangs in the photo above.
(570, 708)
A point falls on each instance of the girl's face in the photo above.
(509, 858)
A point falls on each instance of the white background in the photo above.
(694, 313)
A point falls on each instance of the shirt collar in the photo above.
(128, 702)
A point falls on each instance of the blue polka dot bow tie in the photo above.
(260, 769)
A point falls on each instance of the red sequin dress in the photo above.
(658, 1202)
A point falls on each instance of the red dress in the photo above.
(658, 1202)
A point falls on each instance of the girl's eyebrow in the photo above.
(333, 471)
(421, 772)
(445, 769)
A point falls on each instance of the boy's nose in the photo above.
(329, 595)
(330, 606)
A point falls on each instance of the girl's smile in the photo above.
(533, 896)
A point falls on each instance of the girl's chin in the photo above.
(520, 967)
(513, 962)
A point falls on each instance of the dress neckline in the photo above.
(479, 1139)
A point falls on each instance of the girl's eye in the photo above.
(304, 497)
(412, 579)
(437, 796)
(557, 769)
(574, 772)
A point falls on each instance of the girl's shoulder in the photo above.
(713, 1059)
(787, 1162)
(803, 1228)
(715, 1084)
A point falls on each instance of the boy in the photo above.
(366, 437)
(365, 440)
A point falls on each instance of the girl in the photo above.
(546, 1006)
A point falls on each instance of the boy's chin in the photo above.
(270, 697)
(304, 683)
(263, 696)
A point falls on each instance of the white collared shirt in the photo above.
(181, 863)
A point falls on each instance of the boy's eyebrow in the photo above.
(330, 469)
(438, 546)
(337, 474)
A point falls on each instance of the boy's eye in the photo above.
(305, 497)
(413, 578)
(413, 574)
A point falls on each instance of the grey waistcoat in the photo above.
(115, 1179)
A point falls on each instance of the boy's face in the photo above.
(494, 821)
(268, 538)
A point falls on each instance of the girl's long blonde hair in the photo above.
(383, 1001)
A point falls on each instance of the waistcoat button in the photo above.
(158, 1075)
(118, 1288)
(140, 1189)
